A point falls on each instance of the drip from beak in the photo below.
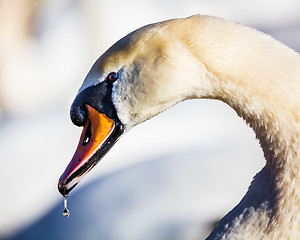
(98, 136)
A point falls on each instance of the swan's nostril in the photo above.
(87, 134)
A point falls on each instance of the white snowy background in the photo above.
(172, 177)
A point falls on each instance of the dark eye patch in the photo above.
(98, 97)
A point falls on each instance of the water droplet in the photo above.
(66, 212)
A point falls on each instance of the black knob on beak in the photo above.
(78, 113)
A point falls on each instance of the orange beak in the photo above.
(98, 136)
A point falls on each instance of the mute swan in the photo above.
(161, 64)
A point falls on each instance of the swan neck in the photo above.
(260, 79)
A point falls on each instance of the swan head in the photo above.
(130, 83)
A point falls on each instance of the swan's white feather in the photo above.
(162, 64)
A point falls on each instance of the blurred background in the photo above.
(172, 177)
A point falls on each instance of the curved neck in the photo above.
(272, 111)
(260, 79)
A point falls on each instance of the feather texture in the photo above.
(162, 64)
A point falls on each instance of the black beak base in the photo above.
(99, 98)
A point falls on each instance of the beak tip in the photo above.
(62, 188)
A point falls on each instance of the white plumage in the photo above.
(162, 64)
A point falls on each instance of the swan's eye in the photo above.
(113, 76)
